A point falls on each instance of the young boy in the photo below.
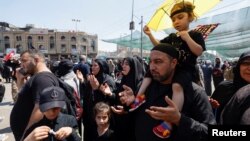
(190, 45)
(54, 125)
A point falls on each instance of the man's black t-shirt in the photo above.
(27, 98)
(195, 115)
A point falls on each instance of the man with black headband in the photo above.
(190, 45)
(191, 123)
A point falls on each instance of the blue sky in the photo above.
(107, 18)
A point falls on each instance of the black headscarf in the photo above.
(227, 89)
(238, 80)
(104, 70)
(64, 67)
(135, 75)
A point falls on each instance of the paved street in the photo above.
(5, 109)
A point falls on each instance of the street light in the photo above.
(77, 47)
(76, 21)
(132, 26)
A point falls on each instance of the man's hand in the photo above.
(169, 114)
(21, 79)
(63, 133)
(127, 96)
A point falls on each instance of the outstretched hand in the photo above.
(169, 114)
(118, 110)
(127, 96)
(105, 89)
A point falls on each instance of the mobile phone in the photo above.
(22, 71)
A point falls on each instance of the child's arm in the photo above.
(151, 37)
(145, 83)
(194, 47)
(178, 95)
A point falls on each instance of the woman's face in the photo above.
(125, 67)
(245, 70)
(95, 68)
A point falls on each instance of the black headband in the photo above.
(185, 9)
(168, 49)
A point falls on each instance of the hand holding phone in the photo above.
(22, 71)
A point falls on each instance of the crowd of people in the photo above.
(168, 98)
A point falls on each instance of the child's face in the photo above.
(102, 119)
(51, 114)
(181, 21)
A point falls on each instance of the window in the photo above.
(63, 48)
(51, 42)
(63, 38)
(73, 46)
(73, 49)
(84, 39)
(51, 38)
(93, 45)
(29, 39)
(6, 38)
(41, 47)
(51, 45)
(83, 49)
(18, 48)
(40, 38)
(7, 46)
(73, 39)
(18, 38)
(30, 46)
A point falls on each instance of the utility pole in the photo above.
(141, 33)
(77, 46)
(132, 27)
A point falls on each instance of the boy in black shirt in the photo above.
(57, 126)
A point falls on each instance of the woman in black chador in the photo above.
(95, 92)
(132, 72)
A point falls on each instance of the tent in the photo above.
(134, 43)
(229, 39)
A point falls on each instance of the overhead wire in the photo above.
(122, 22)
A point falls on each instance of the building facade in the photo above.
(54, 44)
